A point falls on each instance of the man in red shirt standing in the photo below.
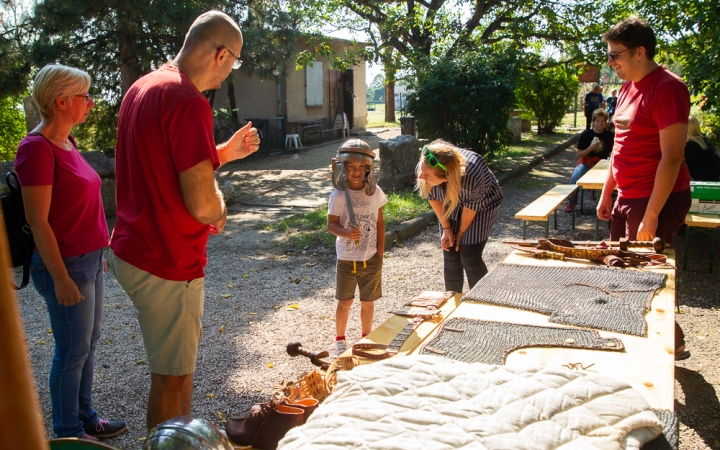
(168, 202)
(648, 165)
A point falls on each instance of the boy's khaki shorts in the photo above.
(169, 313)
(367, 278)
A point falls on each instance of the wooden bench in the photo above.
(320, 127)
(707, 221)
(549, 202)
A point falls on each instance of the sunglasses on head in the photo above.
(431, 159)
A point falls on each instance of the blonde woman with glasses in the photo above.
(466, 197)
(64, 209)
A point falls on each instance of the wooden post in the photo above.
(20, 424)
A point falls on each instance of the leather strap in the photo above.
(390, 350)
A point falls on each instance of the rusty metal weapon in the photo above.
(318, 358)
(557, 249)
(657, 244)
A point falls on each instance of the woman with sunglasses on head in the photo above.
(466, 198)
(64, 209)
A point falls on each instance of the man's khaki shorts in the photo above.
(169, 313)
(368, 279)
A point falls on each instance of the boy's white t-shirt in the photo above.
(366, 215)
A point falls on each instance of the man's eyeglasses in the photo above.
(431, 159)
(238, 62)
(86, 97)
(614, 55)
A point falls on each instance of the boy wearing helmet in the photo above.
(355, 216)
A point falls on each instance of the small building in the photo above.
(301, 102)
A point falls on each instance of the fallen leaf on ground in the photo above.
(222, 328)
(211, 395)
(246, 275)
(293, 307)
(270, 366)
(142, 361)
(230, 285)
(225, 295)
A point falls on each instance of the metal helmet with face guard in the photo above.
(354, 150)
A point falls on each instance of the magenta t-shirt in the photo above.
(644, 108)
(164, 128)
(76, 215)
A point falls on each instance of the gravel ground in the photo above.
(252, 279)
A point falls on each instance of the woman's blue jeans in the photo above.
(76, 330)
(578, 172)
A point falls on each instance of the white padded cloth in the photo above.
(430, 402)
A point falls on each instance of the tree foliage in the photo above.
(419, 30)
(12, 126)
(690, 33)
(119, 41)
(547, 93)
(466, 100)
(15, 67)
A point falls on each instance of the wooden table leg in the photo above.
(687, 241)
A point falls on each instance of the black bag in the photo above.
(20, 238)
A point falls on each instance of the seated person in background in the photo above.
(594, 144)
(701, 160)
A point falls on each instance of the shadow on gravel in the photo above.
(701, 410)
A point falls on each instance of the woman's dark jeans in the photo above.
(469, 259)
(76, 330)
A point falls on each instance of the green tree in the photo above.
(548, 93)
(466, 100)
(689, 33)
(12, 126)
(119, 41)
(15, 67)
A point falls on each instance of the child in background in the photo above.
(360, 231)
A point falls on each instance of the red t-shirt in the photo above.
(76, 214)
(657, 101)
(164, 128)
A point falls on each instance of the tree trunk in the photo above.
(233, 104)
(390, 102)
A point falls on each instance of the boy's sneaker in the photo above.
(340, 347)
(106, 429)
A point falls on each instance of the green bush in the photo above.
(548, 93)
(466, 100)
(12, 126)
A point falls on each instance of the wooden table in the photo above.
(594, 179)
(648, 363)
(702, 221)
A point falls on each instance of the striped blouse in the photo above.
(480, 192)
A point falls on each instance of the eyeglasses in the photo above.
(614, 55)
(86, 97)
(238, 62)
(431, 159)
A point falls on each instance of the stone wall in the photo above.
(398, 158)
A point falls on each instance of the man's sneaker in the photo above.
(569, 207)
(340, 347)
(106, 429)
(87, 437)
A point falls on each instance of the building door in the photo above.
(335, 93)
(348, 97)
